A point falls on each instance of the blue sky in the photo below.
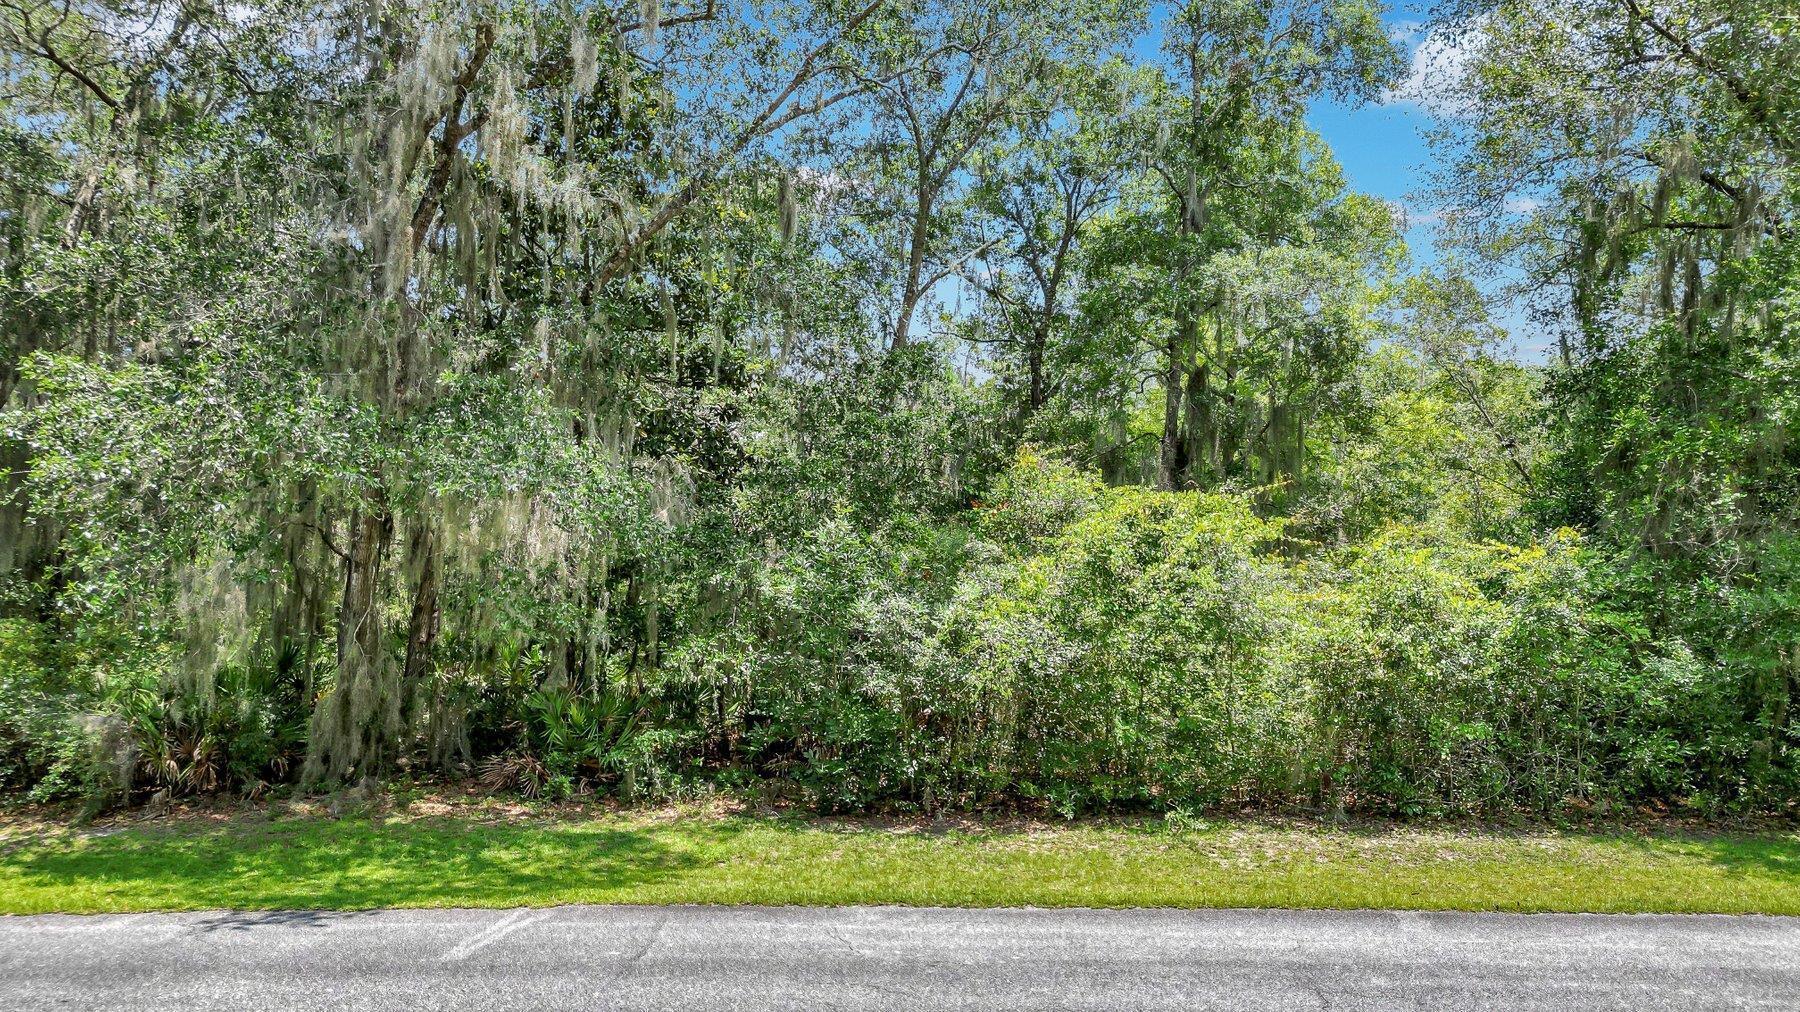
(1383, 150)
(1381, 144)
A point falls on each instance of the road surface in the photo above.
(888, 959)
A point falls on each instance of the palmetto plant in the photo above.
(517, 771)
(247, 732)
(571, 741)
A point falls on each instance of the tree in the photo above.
(1240, 74)
(434, 181)
(1042, 192)
(1274, 306)
(986, 72)
(1635, 164)
(1650, 150)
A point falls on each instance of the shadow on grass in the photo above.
(1774, 857)
(356, 864)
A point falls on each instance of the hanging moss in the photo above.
(651, 12)
(786, 214)
(584, 60)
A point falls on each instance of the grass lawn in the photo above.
(426, 855)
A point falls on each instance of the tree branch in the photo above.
(765, 122)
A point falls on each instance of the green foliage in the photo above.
(895, 406)
(1171, 649)
(42, 747)
(242, 733)
(1118, 655)
(65, 731)
(570, 744)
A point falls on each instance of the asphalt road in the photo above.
(895, 958)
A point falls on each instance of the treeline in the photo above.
(953, 403)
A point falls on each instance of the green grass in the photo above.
(479, 860)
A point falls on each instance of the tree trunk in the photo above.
(355, 727)
(1198, 441)
(422, 627)
(1034, 359)
(363, 585)
(1169, 465)
(910, 293)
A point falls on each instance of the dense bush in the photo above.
(1078, 647)
(111, 719)
(43, 746)
(1174, 649)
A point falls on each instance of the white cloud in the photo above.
(1406, 33)
(1441, 59)
(1415, 216)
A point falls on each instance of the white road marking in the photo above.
(493, 933)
